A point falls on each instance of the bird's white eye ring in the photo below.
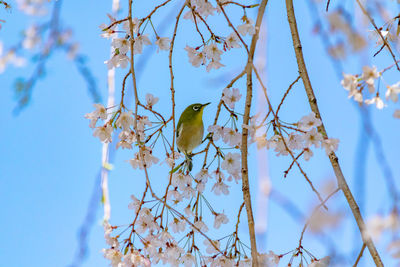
(196, 108)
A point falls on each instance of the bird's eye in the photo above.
(196, 108)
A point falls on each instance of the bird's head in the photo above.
(194, 111)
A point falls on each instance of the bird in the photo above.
(190, 130)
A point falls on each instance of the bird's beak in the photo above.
(206, 104)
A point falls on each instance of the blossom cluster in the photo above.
(302, 138)
(122, 46)
(356, 85)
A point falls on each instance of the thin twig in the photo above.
(314, 211)
(360, 255)
(286, 93)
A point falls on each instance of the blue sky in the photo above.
(50, 159)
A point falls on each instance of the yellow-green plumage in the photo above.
(190, 128)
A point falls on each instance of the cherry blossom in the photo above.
(212, 52)
(393, 92)
(135, 26)
(231, 96)
(122, 44)
(220, 218)
(377, 101)
(232, 137)
(324, 262)
(196, 58)
(232, 41)
(125, 120)
(140, 42)
(99, 113)
(163, 43)
(104, 133)
(308, 122)
(247, 28)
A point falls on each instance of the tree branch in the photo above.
(244, 148)
(332, 156)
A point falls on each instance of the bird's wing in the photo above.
(178, 127)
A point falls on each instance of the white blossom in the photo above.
(170, 160)
(308, 122)
(135, 26)
(177, 225)
(232, 41)
(214, 65)
(151, 100)
(211, 248)
(134, 258)
(247, 27)
(180, 180)
(219, 219)
(377, 101)
(307, 154)
(295, 141)
(217, 132)
(212, 52)
(232, 164)
(188, 211)
(330, 145)
(204, 8)
(349, 82)
(140, 41)
(202, 176)
(134, 205)
(32, 38)
(125, 120)
(127, 138)
(122, 44)
(393, 92)
(9, 58)
(118, 60)
(148, 159)
(219, 187)
(277, 144)
(231, 96)
(200, 226)
(232, 137)
(324, 262)
(99, 113)
(188, 260)
(268, 260)
(196, 58)
(312, 138)
(110, 32)
(114, 255)
(369, 75)
(163, 43)
(104, 133)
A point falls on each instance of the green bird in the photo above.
(190, 130)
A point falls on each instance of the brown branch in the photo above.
(238, 4)
(314, 211)
(171, 73)
(246, 118)
(332, 156)
(360, 255)
(385, 42)
(233, 27)
(286, 93)
(327, 5)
